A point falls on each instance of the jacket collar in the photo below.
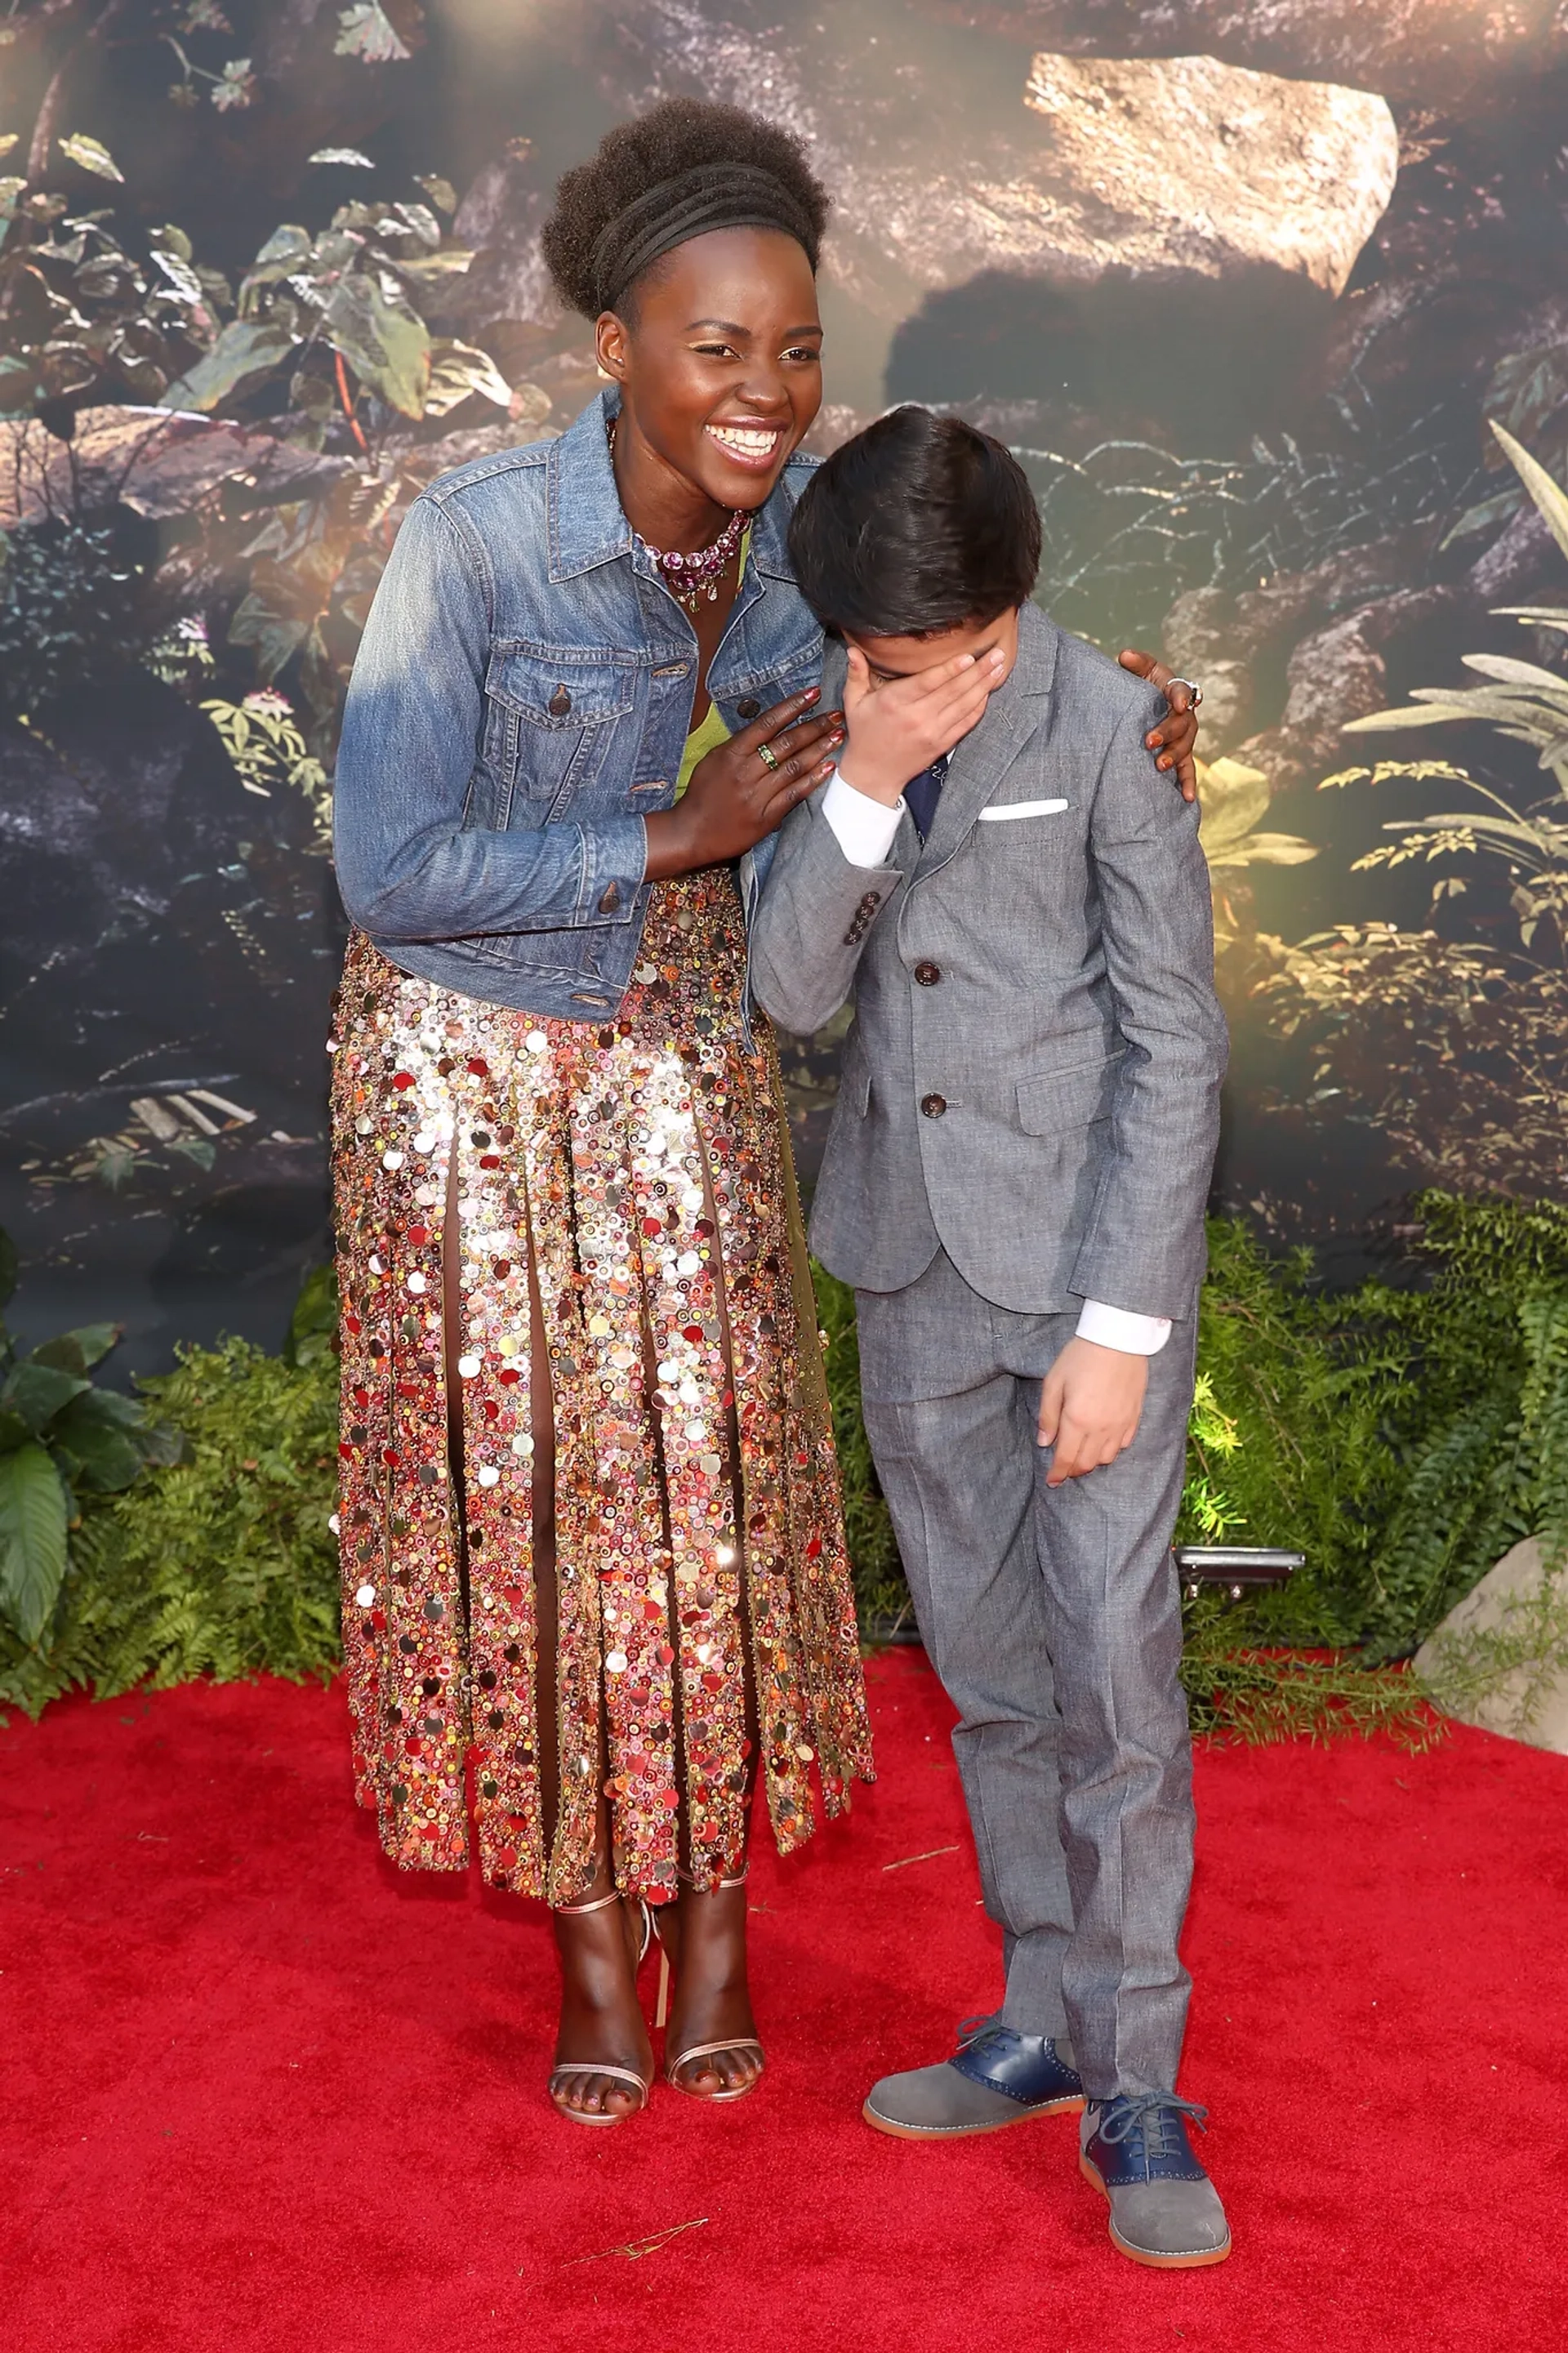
(586, 525)
(1014, 712)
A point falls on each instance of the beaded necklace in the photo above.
(690, 578)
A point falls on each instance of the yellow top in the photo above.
(712, 732)
(701, 740)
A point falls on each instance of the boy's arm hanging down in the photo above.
(1143, 1247)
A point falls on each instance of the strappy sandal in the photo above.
(674, 2063)
(564, 2068)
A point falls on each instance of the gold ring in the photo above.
(765, 754)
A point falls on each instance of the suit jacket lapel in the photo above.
(985, 756)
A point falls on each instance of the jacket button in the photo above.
(927, 975)
(559, 703)
(933, 1105)
(611, 900)
(748, 706)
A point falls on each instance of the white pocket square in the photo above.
(1021, 808)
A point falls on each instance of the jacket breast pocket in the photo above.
(549, 725)
(1054, 1102)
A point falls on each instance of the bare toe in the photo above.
(583, 2093)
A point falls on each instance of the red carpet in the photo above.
(259, 2094)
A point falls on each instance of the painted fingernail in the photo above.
(811, 694)
(1161, 763)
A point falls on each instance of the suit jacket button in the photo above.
(927, 975)
(559, 703)
(933, 1105)
(748, 706)
(611, 900)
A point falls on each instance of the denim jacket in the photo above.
(519, 702)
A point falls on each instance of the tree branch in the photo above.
(53, 100)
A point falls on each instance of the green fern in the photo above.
(222, 1565)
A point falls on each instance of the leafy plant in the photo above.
(72, 603)
(881, 1596)
(325, 344)
(1234, 801)
(87, 319)
(1454, 1049)
(1522, 701)
(1212, 1439)
(1526, 402)
(222, 1564)
(69, 38)
(263, 740)
(346, 299)
(1129, 527)
(1473, 1380)
(62, 1439)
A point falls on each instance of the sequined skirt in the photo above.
(646, 1163)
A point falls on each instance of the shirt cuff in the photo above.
(864, 829)
(1117, 1327)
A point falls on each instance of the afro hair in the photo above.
(681, 135)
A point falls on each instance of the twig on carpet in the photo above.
(634, 2248)
(929, 1855)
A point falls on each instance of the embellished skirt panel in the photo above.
(643, 1166)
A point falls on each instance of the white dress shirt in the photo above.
(864, 829)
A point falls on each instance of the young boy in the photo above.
(1015, 1183)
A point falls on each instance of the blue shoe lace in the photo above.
(1148, 2120)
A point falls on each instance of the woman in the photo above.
(590, 1518)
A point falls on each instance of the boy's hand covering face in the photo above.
(899, 725)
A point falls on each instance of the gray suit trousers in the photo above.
(1053, 1617)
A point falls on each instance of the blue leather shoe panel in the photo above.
(1025, 2067)
(1143, 2137)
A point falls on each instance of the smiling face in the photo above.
(719, 366)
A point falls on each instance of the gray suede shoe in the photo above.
(995, 2078)
(1165, 2210)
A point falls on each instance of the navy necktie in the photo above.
(922, 793)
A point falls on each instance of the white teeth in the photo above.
(760, 444)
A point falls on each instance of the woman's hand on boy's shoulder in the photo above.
(1173, 740)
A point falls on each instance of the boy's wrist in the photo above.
(863, 773)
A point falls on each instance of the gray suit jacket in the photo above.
(1032, 1081)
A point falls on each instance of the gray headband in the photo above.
(708, 196)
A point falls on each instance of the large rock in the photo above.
(1414, 49)
(1500, 1659)
(1185, 164)
(947, 167)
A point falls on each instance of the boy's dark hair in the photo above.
(919, 523)
(683, 167)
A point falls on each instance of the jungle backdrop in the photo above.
(1268, 299)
